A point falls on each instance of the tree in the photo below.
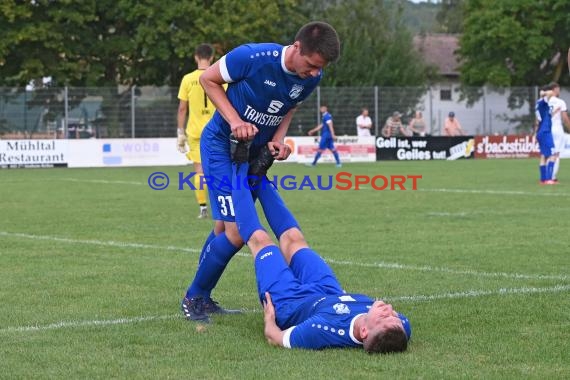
(514, 43)
(376, 50)
(106, 43)
(450, 16)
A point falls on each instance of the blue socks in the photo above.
(217, 254)
(542, 173)
(547, 171)
(278, 216)
(336, 157)
(317, 156)
(246, 215)
(335, 154)
(208, 240)
(550, 170)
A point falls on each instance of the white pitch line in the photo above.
(100, 242)
(446, 214)
(480, 293)
(384, 265)
(412, 298)
(71, 324)
(103, 181)
(495, 192)
(427, 268)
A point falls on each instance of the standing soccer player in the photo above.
(266, 82)
(543, 129)
(195, 103)
(327, 136)
(559, 113)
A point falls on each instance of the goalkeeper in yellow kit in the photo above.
(195, 105)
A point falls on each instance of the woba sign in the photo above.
(125, 152)
(506, 147)
(33, 153)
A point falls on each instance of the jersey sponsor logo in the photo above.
(341, 308)
(296, 91)
(270, 83)
(347, 298)
(260, 118)
(274, 106)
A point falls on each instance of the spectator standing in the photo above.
(363, 124)
(393, 126)
(418, 125)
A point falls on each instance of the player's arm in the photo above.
(182, 112)
(565, 120)
(535, 126)
(277, 143)
(212, 82)
(315, 130)
(181, 116)
(330, 125)
(273, 333)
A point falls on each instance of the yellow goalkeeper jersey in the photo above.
(200, 108)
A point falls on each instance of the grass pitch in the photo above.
(93, 265)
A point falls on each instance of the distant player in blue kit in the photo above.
(327, 136)
(266, 83)
(304, 304)
(544, 136)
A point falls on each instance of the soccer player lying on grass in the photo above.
(304, 304)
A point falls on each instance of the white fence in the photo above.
(151, 112)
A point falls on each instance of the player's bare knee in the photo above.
(232, 234)
(259, 240)
(291, 241)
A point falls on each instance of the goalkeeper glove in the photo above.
(182, 141)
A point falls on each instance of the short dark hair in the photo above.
(393, 339)
(204, 51)
(319, 37)
(553, 85)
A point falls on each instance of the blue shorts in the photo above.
(326, 143)
(217, 165)
(308, 277)
(545, 143)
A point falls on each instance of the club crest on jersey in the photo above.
(296, 91)
(341, 308)
(274, 106)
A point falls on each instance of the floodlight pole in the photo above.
(133, 111)
(66, 112)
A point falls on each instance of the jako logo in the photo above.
(267, 254)
(274, 106)
(270, 83)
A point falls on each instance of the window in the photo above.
(445, 94)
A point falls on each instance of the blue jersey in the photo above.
(328, 322)
(326, 131)
(542, 111)
(261, 89)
